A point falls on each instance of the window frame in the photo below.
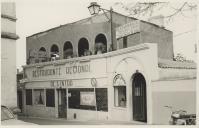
(116, 97)
(76, 93)
(44, 99)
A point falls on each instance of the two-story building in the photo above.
(129, 78)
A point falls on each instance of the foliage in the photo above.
(181, 58)
(147, 9)
(100, 48)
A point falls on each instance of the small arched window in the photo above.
(42, 49)
(42, 55)
(100, 44)
(54, 51)
(68, 50)
(83, 47)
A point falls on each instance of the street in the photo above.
(42, 121)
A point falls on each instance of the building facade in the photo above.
(87, 34)
(8, 55)
(130, 78)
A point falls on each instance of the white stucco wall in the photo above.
(8, 8)
(180, 94)
(8, 25)
(8, 73)
(8, 56)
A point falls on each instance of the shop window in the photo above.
(39, 97)
(102, 99)
(50, 97)
(120, 96)
(85, 98)
(28, 96)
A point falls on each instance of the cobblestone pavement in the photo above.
(43, 121)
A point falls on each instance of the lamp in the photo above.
(94, 9)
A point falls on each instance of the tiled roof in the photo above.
(164, 63)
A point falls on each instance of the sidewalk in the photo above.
(62, 121)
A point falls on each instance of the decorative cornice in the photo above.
(9, 35)
(8, 17)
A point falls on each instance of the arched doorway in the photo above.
(83, 46)
(100, 43)
(68, 50)
(139, 98)
(54, 50)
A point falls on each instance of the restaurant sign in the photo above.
(128, 29)
(58, 71)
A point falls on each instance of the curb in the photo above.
(86, 121)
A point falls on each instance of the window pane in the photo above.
(50, 97)
(28, 96)
(74, 100)
(101, 99)
(39, 97)
(120, 96)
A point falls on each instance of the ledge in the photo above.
(166, 64)
(92, 57)
(8, 17)
(9, 35)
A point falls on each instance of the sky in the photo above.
(34, 16)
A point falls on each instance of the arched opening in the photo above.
(42, 55)
(83, 47)
(100, 44)
(139, 97)
(42, 49)
(68, 50)
(54, 51)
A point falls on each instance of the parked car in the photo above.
(8, 118)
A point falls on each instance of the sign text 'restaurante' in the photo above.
(57, 71)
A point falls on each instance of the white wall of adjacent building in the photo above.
(179, 94)
(8, 57)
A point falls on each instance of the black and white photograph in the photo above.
(98, 62)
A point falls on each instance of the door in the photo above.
(62, 103)
(20, 102)
(139, 98)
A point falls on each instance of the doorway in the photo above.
(139, 98)
(20, 101)
(62, 103)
